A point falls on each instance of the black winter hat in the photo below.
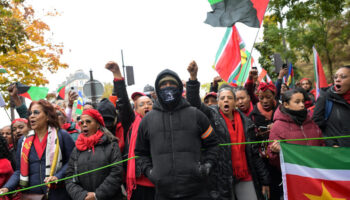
(108, 111)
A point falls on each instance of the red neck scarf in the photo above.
(346, 96)
(10, 146)
(40, 145)
(238, 156)
(266, 114)
(131, 169)
(83, 143)
(250, 109)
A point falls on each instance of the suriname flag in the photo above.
(315, 173)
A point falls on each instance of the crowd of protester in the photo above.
(175, 137)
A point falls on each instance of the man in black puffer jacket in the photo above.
(176, 144)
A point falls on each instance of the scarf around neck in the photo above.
(266, 114)
(53, 155)
(238, 155)
(131, 168)
(83, 142)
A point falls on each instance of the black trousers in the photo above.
(143, 193)
(201, 195)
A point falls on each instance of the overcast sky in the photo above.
(154, 35)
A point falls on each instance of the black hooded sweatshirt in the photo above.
(170, 146)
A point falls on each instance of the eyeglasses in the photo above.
(147, 103)
(35, 113)
(87, 122)
(341, 76)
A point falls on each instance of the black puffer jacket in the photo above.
(106, 182)
(338, 120)
(170, 143)
(222, 179)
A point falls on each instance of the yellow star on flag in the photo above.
(325, 195)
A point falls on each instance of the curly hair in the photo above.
(49, 111)
(4, 149)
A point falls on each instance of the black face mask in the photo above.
(169, 96)
(298, 116)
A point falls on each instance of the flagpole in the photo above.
(251, 51)
(256, 36)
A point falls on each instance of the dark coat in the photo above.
(169, 142)
(285, 128)
(222, 179)
(37, 168)
(106, 182)
(338, 122)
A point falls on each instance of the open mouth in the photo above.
(337, 87)
(146, 111)
(85, 131)
(266, 107)
(226, 108)
(32, 123)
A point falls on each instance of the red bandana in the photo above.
(83, 143)
(265, 86)
(94, 114)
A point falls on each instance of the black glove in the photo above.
(204, 169)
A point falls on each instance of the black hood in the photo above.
(167, 72)
(108, 111)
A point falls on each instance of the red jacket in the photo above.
(5, 171)
(285, 128)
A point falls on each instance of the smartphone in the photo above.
(263, 128)
(254, 67)
(73, 89)
(284, 66)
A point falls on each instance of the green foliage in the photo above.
(304, 24)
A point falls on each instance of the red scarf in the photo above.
(24, 169)
(346, 96)
(40, 146)
(238, 156)
(119, 133)
(130, 173)
(10, 146)
(83, 143)
(267, 115)
(250, 109)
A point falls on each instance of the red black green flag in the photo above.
(227, 12)
(61, 92)
(32, 92)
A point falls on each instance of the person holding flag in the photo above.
(332, 109)
(291, 121)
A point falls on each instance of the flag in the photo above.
(2, 101)
(231, 59)
(61, 92)
(289, 78)
(32, 92)
(228, 58)
(313, 172)
(227, 12)
(2, 69)
(320, 77)
(79, 104)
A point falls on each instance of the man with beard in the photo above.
(138, 186)
(176, 144)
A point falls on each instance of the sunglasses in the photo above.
(35, 113)
(87, 122)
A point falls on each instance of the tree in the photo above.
(322, 23)
(108, 90)
(30, 57)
